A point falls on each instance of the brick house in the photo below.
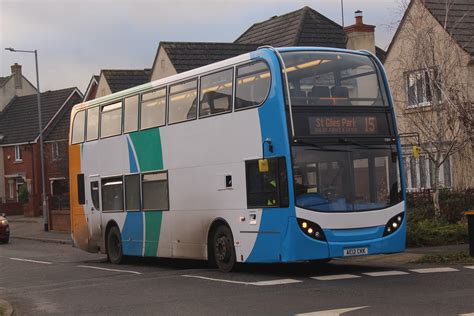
(91, 90)
(20, 145)
(10, 86)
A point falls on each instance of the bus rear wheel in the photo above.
(114, 246)
(223, 249)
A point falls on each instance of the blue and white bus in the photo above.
(278, 155)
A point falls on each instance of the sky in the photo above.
(77, 38)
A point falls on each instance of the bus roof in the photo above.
(205, 69)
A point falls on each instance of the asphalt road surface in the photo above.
(42, 279)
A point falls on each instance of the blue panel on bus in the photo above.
(356, 234)
(298, 247)
(131, 155)
(272, 119)
(132, 234)
(389, 244)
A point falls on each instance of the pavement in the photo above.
(32, 228)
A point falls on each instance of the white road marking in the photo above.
(469, 267)
(112, 270)
(468, 314)
(335, 277)
(276, 282)
(332, 312)
(29, 260)
(385, 273)
(259, 283)
(434, 270)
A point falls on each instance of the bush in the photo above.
(23, 194)
(453, 204)
(435, 232)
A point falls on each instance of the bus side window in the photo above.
(112, 194)
(111, 120)
(182, 104)
(252, 85)
(267, 187)
(130, 113)
(153, 109)
(216, 93)
(92, 124)
(78, 127)
(81, 193)
(155, 191)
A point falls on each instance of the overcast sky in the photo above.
(77, 38)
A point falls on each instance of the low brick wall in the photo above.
(60, 220)
(12, 208)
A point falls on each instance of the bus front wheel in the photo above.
(223, 249)
(114, 246)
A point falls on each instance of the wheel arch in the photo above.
(111, 223)
(212, 228)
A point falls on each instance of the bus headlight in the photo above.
(393, 224)
(311, 229)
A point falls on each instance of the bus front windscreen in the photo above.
(332, 78)
(346, 178)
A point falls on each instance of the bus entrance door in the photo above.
(95, 214)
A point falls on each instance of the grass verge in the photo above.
(461, 257)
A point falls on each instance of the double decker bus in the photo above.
(278, 155)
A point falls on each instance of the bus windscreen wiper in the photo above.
(319, 147)
(351, 142)
(297, 141)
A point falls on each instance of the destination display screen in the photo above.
(343, 125)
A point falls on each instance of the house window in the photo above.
(55, 151)
(420, 85)
(18, 154)
(10, 190)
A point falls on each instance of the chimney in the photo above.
(360, 35)
(16, 73)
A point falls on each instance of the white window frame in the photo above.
(414, 74)
(18, 154)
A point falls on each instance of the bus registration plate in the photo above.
(356, 251)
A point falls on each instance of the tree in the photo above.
(432, 85)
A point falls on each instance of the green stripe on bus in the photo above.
(152, 232)
(147, 145)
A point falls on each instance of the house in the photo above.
(303, 27)
(430, 66)
(21, 150)
(91, 90)
(10, 86)
(14, 85)
(114, 80)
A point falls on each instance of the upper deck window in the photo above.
(92, 124)
(78, 127)
(183, 101)
(331, 78)
(153, 111)
(130, 119)
(111, 120)
(216, 93)
(252, 84)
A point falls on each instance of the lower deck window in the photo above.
(112, 194)
(155, 191)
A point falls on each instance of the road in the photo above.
(43, 278)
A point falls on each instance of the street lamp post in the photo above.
(40, 127)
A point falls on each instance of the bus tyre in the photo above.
(223, 249)
(114, 246)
